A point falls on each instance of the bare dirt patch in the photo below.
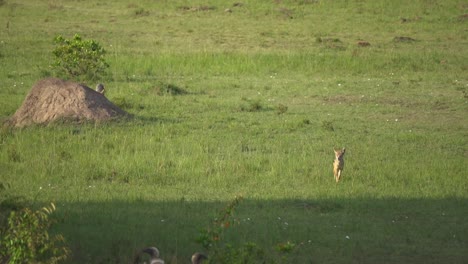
(53, 99)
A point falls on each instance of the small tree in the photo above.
(79, 59)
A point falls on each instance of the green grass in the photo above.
(205, 88)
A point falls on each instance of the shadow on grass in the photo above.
(325, 231)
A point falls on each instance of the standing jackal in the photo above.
(338, 164)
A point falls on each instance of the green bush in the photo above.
(26, 239)
(79, 59)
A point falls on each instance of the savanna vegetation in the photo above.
(247, 99)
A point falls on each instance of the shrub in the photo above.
(26, 239)
(142, 12)
(212, 239)
(79, 59)
(168, 89)
(251, 106)
(328, 125)
(212, 235)
(281, 109)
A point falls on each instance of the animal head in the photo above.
(100, 88)
(339, 153)
(198, 258)
(153, 252)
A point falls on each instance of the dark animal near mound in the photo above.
(53, 99)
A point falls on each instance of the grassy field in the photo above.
(250, 102)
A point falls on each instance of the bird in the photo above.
(100, 88)
(198, 258)
(153, 252)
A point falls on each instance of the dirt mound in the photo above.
(54, 99)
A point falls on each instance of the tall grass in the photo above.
(205, 88)
(355, 62)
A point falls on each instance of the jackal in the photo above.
(338, 164)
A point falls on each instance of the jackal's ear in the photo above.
(343, 150)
